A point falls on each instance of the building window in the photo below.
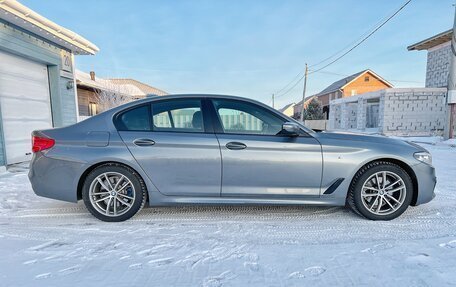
(353, 92)
(366, 79)
(92, 109)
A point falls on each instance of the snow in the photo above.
(50, 243)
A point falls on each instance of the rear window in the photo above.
(136, 119)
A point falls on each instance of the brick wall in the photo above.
(365, 83)
(437, 69)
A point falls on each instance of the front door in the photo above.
(172, 142)
(258, 160)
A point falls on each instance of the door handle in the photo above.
(235, 145)
(144, 142)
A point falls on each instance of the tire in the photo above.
(367, 191)
(117, 200)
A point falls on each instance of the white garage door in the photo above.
(25, 104)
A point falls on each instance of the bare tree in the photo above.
(113, 95)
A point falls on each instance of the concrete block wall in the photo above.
(438, 64)
(401, 112)
(361, 114)
(352, 112)
(334, 117)
(408, 112)
(381, 114)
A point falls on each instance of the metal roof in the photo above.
(84, 79)
(128, 87)
(432, 41)
(337, 85)
(14, 12)
(146, 89)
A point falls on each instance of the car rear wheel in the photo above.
(113, 192)
(380, 191)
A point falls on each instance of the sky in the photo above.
(248, 48)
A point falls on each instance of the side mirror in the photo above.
(290, 129)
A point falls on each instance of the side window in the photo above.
(162, 120)
(245, 118)
(136, 119)
(182, 115)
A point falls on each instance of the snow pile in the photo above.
(50, 243)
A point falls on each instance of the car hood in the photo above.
(372, 139)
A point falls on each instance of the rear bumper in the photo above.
(425, 176)
(54, 178)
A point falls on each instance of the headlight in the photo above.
(423, 157)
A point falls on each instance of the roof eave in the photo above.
(23, 17)
(428, 43)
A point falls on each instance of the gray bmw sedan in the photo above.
(211, 149)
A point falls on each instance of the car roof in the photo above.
(173, 96)
(179, 96)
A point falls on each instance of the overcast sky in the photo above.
(248, 48)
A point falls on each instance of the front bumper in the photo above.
(425, 176)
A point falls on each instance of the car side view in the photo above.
(212, 149)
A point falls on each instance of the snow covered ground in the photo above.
(50, 243)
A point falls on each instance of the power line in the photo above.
(278, 95)
(365, 38)
(298, 75)
(351, 43)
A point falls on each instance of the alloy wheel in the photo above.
(112, 194)
(383, 193)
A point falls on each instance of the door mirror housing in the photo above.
(291, 129)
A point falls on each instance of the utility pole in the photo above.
(273, 101)
(451, 98)
(304, 94)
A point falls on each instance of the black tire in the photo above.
(139, 189)
(354, 198)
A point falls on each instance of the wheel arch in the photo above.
(94, 166)
(401, 164)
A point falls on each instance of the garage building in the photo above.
(37, 83)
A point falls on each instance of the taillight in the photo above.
(41, 143)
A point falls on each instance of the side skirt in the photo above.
(161, 200)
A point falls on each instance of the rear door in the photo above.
(258, 160)
(174, 143)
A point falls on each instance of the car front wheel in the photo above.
(113, 192)
(380, 191)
